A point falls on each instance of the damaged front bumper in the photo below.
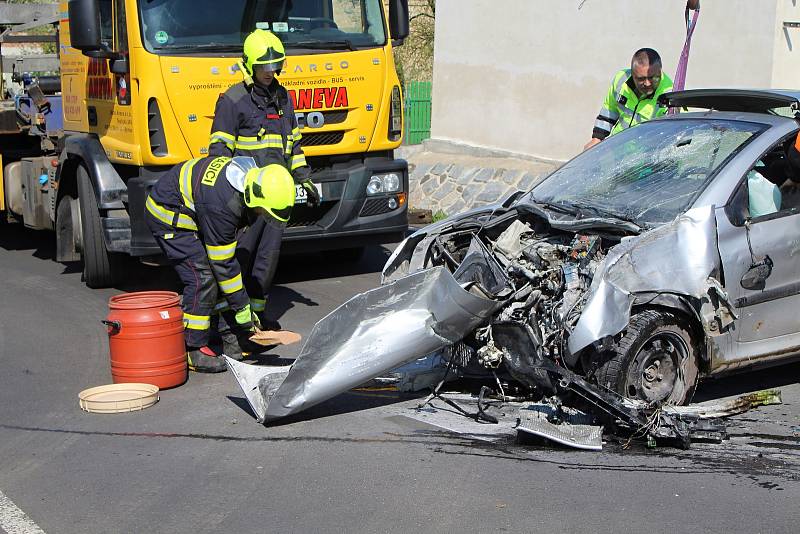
(365, 337)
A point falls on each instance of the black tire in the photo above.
(99, 266)
(345, 255)
(654, 361)
(68, 229)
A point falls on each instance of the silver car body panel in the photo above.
(393, 269)
(367, 336)
(768, 327)
(678, 258)
(755, 100)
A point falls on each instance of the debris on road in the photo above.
(581, 429)
(730, 407)
(567, 426)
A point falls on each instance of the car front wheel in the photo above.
(654, 361)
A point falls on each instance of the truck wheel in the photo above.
(68, 229)
(654, 361)
(98, 264)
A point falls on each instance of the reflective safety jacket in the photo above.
(250, 120)
(196, 196)
(623, 109)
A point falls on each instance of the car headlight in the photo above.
(384, 183)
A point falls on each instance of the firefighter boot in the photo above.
(230, 346)
(204, 360)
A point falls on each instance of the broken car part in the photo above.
(365, 337)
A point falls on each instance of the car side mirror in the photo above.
(756, 276)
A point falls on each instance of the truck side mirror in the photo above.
(398, 20)
(84, 25)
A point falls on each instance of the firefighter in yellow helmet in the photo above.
(256, 118)
(195, 212)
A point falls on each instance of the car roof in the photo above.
(760, 118)
(747, 100)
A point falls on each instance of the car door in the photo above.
(768, 326)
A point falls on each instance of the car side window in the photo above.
(771, 189)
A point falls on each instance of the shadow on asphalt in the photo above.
(140, 277)
(341, 404)
(348, 402)
(323, 265)
(748, 381)
(41, 243)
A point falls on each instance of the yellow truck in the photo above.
(139, 82)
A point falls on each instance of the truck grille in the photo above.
(318, 139)
(307, 216)
(375, 206)
(335, 116)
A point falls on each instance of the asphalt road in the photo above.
(197, 462)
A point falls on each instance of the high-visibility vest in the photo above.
(623, 109)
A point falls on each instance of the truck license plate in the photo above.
(300, 195)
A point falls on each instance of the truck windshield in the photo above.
(188, 26)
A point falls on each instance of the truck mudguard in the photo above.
(108, 186)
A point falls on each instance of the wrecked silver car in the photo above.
(663, 254)
(666, 253)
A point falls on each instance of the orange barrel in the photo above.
(145, 338)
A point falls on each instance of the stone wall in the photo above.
(452, 182)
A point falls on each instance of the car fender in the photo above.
(679, 258)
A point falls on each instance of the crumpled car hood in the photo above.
(680, 257)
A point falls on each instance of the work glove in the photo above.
(312, 195)
(245, 319)
(256, 322)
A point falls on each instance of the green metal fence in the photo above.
(418, 112)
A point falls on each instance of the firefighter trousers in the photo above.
(186, 253)
(258, 251)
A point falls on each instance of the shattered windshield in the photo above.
(186, 26)
(647, 175)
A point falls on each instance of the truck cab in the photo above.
(140, 79)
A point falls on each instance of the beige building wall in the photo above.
(528, 76)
